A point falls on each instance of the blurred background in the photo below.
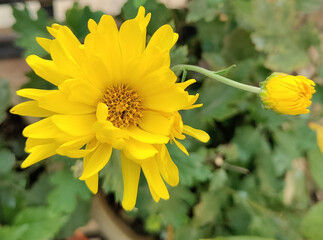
(259, 178)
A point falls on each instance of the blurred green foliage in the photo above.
(260, 176)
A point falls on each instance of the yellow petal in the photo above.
(107, 24)
(193, 106)
(142, 19)
(153, 193)
(154, 122)
(196, 133)
(32, 93)
(164, 38)
(95, 161)
(130, 174)
(145, 137)
(30, 108)
(181, 147)
(138, 150)
(151, 61)
(70, 44)
(44, 43)
(104, 43)
(81, 92)
(131, 49)
(46, 69)
(167, 167)
(107, 133)
(152, 175)
(187, 83)
(53, 30)
(154, 82)
(58, 102)
(63, 60)
(39, 153)
(44, 128)
(141, 13)
(33, 142)
(92, 26)
(92, 183)
(73, 148)
(96, 72)
(101, 112)
(76, 125)
(170, 100)
(191, 100)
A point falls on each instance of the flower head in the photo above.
(113, 92)
(287, 94)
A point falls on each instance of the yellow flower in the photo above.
(319, 133)
(287, 94)
(113, 92)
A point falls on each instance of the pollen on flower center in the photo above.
(124, 105)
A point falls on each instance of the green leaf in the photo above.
(138, 3)
(161, 14)
(39, 191)
(178, 55)
(225, 71)
(266, 173)
(204, 9)
(243, 12)
(4, 98)
(153, 223)
(296, 179)
(311, 226)
(286, 60)
(265, 117)
(7, 161)
(308, 6)
(12, 232)
(246, 138)
(78, 218)
(211, 35)
(187, 232)
(303, 134)
(12, 196)
(316, 166)
(218, 180)
(286, 140)
(238, 46)
(29, 28)
(182, 199)
(282, 53)
(78, 17)
(208, 209)
(239, 219)
(66, 192)
(228, 151)
(239, 238)
(191, 168)
(220, 102)
(112, 176)
(42, 223)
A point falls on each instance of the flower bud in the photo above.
(287, 94)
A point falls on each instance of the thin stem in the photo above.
(217, 77)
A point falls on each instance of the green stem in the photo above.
(217, 77)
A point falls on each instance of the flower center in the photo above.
(124, 105)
